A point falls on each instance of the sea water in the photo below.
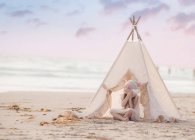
(60, 74)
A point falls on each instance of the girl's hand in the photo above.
(106, 88)
(145, 84)
(109, 91)
(129, 93)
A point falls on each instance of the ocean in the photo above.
(60, 74)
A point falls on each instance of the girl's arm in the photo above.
(135, 101)
(130, 103)
(126, 100)
(119, 86)
(121, 83)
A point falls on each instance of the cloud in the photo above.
(184, 22)
(187, 2)
(190, 30)
(111, 6)
(73, 13)
(83, 31)
(36, 22)
(147, 33)
(80, 9)
(2, 5)
(56, 1)
(20, 13)
(47, 8)
(181, 20)
(3, 32)
(146, 14)
(150, 12)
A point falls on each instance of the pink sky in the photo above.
(97, 30)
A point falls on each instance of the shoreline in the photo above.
(76, 92)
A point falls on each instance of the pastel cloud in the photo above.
(83, 31)
(147, 34)
(150, 12)
(79, 9)
(20, 13)
(48, 8)
(36, 22)
(2, 5)
(181, 20)
(3, 32)
(111, 6)
(190, 30)
(187, 2)
(146, 13)
(73, 13)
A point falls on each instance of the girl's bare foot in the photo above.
(126, 119)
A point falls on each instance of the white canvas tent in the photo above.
(135, 60)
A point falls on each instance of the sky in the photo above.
(97, 29)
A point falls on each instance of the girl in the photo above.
(129, 103)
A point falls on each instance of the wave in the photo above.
(64, 74)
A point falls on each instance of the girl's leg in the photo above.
(128, 114)
(135, 101)
(130, 103)
(119, 117)
(120, 114)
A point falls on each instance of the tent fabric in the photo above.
(155, 99)
(160, 99)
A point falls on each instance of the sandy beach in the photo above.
(23, 121)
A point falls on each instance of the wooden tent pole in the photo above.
(137, 20)
(139, 37)
(130, 34)
(133, 28)
(134, 23)
(131, 20)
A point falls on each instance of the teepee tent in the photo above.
(133, 62)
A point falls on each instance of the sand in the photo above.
(22, 121)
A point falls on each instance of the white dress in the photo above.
(135, 111)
